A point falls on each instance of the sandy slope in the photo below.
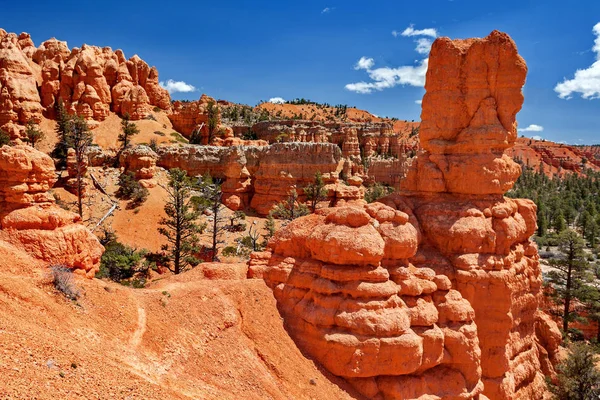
(184, 337)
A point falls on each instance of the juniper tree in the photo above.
(180, 227)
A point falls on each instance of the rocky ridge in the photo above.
(91, 81)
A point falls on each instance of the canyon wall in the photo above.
(91, 81)
(30, 219)
(433, 292)
(261, 176)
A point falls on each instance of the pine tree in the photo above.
(210, 199)
(128, 130)
(33, 134)
(578, 376)
(570, 274)
(315, 192)
(270, 228)
(62, 121)
(213, 119)
(180, 226)
(79, 138)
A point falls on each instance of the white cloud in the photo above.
(423, 46)
(532, 128)
(386, 77)
(365, 63)
(586, 81)
(410, 31)
(327, 10)
(277, 100)
(177, 86)
(419, 101)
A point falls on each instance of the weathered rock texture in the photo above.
(92, 82)
(433, 293)
(30, 219)
(140, 160)
(190, 116)
(262, 176)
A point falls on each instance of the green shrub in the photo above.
(130, 189)
(377, 191)
(4, 138)
(120, 262)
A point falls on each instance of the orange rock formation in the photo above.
(31, 220)
(433, 293)
(92, 82)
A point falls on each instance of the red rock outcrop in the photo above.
(19, 97)
(434, 292)
(30, 219)
(189, 116)
(554, 159)
(140, 160)
(92, 82)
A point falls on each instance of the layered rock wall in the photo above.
(432, 293)
(30, 219)
(261, 176)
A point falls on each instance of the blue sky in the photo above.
(250, 51)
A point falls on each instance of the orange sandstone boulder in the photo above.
(33, 221)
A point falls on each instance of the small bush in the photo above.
(377, 191)
(157, 109)
(153, 145)
(62, 280)
(178, 138)
(151, 117)
(229, 251)
(4, 138)
(160, 133)
(131, 189)
(120, 262)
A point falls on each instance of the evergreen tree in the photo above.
(290, 208)
(79, 138)
(270, 228)
(180, 226)
(315, 192)
(213, 119)
(128, 129)
(578, 376)
(210, 199)
(570, 274)
(33, 134)
(62, 121)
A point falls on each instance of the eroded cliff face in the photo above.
(261, 176)
(91, 81)
(432, 293)
(30, 219)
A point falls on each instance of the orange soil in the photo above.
(182, 338)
